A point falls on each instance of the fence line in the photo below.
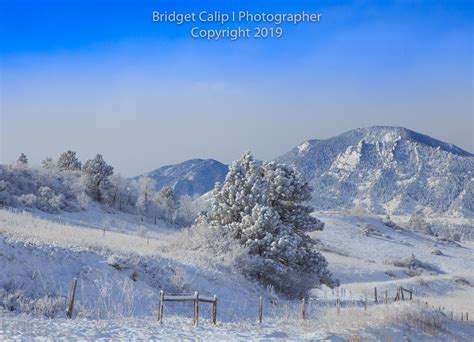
(309, 308)
(195, 299)
(248, 309)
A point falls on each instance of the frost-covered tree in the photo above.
(68, 161)
(263, 207)
(147, 187)
(97, 173)
(22, 159)
(146, 202)
(168, 202)
(48, 163)
(119, 192)
(190, 208)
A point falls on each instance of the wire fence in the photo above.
(247, 310)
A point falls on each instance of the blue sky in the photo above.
(99, 76)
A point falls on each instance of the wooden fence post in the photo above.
(452, 315)
(302, 309)
(365, 303)
(375, 295)
(402, 293)
(196, 308)
(70, 306)
(338, 305)
(260, 310)
(386, 296)
(160, 312)
(214, 310)
(467, 316)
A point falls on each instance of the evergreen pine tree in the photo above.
(22, 159)
(97, 173)
(263, 207)
(68, 161)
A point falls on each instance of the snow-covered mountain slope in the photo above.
(191, 177)
(387, 170)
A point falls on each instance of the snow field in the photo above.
(397, 321)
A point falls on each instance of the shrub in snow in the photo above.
(358, 209)
(68, 161)
(48, 201)
(134, 275)
(365, 229)
(178, 281)
(48, 306)
(410, 262)
(28, 200)
(418, 224)
(116, 261)
(142, 232)
(456, 237)
(97, 173)
(389, 223)
(5, 197)
(462, 281)
(415, 317)
(414, 264)
(262, 207)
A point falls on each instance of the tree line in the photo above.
(67, 184)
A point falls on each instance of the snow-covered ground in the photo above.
(364, 262)
(121, 271)
(396, 322)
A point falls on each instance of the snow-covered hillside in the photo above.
(191, 177)
(120, 275)
(387, 170)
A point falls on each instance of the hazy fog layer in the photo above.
(146, 95)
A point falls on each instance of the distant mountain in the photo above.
(192, 177)
(387, 170)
